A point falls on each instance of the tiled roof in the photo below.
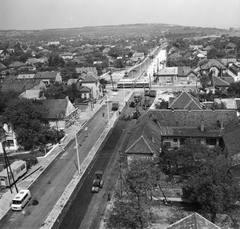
(193, 221)
(30, 94)
(231, 141)
(16, 64)
(2, 66)
(168, 71)
(212, 63)
(84, 89)
(145, 138)
(218, 82)
(11, 83)
(90, 78)
(56, 107)
(45, 75)
(185, 118)
(186, 101)
(183, 70)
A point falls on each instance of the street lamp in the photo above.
(107, 108)
(79, 169)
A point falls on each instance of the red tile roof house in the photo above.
(49, 77)
(185, 101)
(193, 221)
(167, 75)
(12, 83)
(61, 112)
(144, 140)
(158, 128)
(186, 75)
(92, 81)
(207, 126)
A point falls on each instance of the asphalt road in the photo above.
(75, 210)
(53, 181)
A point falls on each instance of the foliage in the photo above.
(207, 173)
(213, 186)
(205, 80)
(132, 195)
(28, 120)
(162, 105)
(60, 91)
(5, 98)
(234, 89)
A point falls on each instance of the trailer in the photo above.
(19, 168)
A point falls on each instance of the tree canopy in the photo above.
(207, 176)
(132, 195)
(28, 120)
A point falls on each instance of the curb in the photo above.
(76, 178)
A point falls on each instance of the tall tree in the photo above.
(28, 120)
(132, 195)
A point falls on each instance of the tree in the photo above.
(205, 80)
(132, 195)
(5, 98)
(234, 89)
(28, 120)
(213, 187)
(208, 178)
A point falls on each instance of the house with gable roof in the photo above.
(49, 77)
(20, 85)
(193, 221)
(91, 81)
(186, 74)
(167, 75)
(185, 101)
(206, 126)
(60, 112)
(144, 141)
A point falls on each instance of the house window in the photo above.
(167, 144)
(175, 141)
(182, 141)
(211, 141)
(10, 143)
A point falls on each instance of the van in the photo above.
(20, 200)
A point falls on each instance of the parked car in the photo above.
(132, 104)
(152, 93)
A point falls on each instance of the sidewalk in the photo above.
(6, 196)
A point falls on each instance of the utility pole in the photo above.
(8, 166)
(79, 169)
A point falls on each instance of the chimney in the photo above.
(67, 98)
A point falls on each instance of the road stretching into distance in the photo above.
(52, 182)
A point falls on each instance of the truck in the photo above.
(19, 168)
(97, 182)
(115, 106)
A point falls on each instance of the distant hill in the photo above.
(143, 30)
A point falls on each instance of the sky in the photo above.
(50, 14)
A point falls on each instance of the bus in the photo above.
(20, 200)
(126, 83)
(142, 84)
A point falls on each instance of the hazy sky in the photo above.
(45, 14)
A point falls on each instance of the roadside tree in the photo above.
(133, 195)
(28, 120)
